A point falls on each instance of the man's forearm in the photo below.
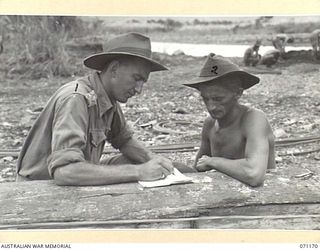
(240, 169)
(84, 173)
(136, 151)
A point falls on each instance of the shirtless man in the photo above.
(236, 140)
(251, 55)
(280, 41)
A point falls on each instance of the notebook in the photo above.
(175, 178)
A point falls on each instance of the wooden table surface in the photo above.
(214, 200)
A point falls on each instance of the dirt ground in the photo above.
(290, 100)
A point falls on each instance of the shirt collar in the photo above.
(104, 101)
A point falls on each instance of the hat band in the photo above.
(132, 50)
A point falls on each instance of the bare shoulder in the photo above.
(254, 113)
(255, 119)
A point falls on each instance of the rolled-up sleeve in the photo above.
(120, 131)
(69, 132)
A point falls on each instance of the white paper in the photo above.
(175, 178)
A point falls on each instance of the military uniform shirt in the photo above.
(73, 127)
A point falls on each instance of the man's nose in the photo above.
(211, 105)
(139, 86)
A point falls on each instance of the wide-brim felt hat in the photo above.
(217, 67)
(130, 44)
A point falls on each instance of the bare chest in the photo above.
(228, 143)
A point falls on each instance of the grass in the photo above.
(35, 45)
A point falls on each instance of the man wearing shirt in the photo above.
(67, 140)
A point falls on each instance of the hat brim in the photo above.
(99, 61)
(247, 79)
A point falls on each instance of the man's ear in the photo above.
(239, 93)
(114, 67)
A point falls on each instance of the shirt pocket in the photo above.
(97, 137)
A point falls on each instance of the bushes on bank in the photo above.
(35, 45)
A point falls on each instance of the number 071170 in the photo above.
(308, 246)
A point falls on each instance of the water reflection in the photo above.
(205, 49)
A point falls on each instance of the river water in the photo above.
(205, 49)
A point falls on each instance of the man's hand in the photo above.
(157, 168)
(203, 164)
(165, 162)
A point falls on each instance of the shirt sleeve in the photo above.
(69, 132)
(120, 130)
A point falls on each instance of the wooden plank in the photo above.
(209, 202)
(187, 147)
(265, 222)
(288, 222)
